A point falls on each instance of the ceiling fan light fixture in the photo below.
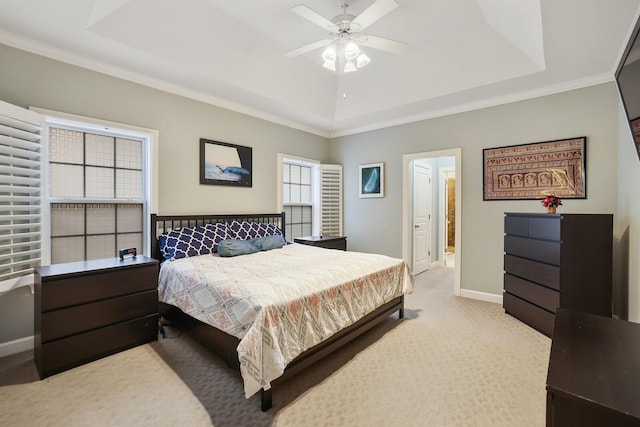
(343, 45)
(329, 54)
(349, 66)
(363, 60)
(351, 51)
(330, 65)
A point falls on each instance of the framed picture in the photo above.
(532, 171)
(371, 180)
(222, 163)
(635, 130)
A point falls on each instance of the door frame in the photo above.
(442, 224)
(406, 206)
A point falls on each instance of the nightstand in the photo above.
(90, 309)
(329, 242)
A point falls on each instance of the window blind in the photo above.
(331, 200)
(20, 196)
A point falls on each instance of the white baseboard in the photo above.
(16, 346)
(482, 296)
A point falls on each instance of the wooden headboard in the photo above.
(163, 223)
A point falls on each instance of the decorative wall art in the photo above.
(371, 180)
(532, 171)
(225, 164)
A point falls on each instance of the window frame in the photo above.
(149, 138)
(315, 188)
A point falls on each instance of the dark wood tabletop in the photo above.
(595, 360)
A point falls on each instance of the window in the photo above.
(311, 197)
(297, 200)
(98, 190)
(20, 198)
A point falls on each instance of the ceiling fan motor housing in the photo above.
(343, 22)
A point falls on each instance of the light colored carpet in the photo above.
(451, 362)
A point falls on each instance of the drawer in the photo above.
(530, 314)
(59, 355)
(516, 225)
(544, 274)
(539, 227)
(546, 298)
(340, 244)
(68, 321)
(538, 250)
(62, 291)
(545, 227)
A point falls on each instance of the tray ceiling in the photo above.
(461, 54)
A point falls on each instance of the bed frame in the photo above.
(223, 344)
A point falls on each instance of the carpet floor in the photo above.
(451, 362)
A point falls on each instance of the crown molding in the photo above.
(485, 103)
(82, 61)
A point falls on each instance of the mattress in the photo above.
(281, 302)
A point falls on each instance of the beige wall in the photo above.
(30, 80)
(592, 112)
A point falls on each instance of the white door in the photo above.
(422, 194)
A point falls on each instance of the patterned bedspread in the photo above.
(282, 302)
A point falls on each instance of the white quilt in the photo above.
(282, 302)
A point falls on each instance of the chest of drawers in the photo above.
(557, 260)
(90, 309)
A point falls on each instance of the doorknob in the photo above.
(416, 226)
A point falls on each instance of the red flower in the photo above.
(551, 200)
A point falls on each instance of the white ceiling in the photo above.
(461, 55)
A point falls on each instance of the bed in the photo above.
(277, 318)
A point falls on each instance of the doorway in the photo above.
(422, 216)
(450, 215)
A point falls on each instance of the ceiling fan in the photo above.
(345, 35)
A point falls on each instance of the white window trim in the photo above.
(88, 124)
(315, 187)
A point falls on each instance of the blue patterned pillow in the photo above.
(191, 241)
(218, 232)
(245, 230)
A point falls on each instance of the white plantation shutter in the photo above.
(20, 196)
(331, 200)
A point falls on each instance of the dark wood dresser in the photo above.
(594, 372)
(90, 309)
(329, 242)
(557, 260)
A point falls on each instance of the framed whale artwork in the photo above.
(371, 180)
(222, 163)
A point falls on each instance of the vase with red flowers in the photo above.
(551, 202)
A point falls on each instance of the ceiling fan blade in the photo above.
(307, 48)
(381, 43)
(374, 12)
(314, 17)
